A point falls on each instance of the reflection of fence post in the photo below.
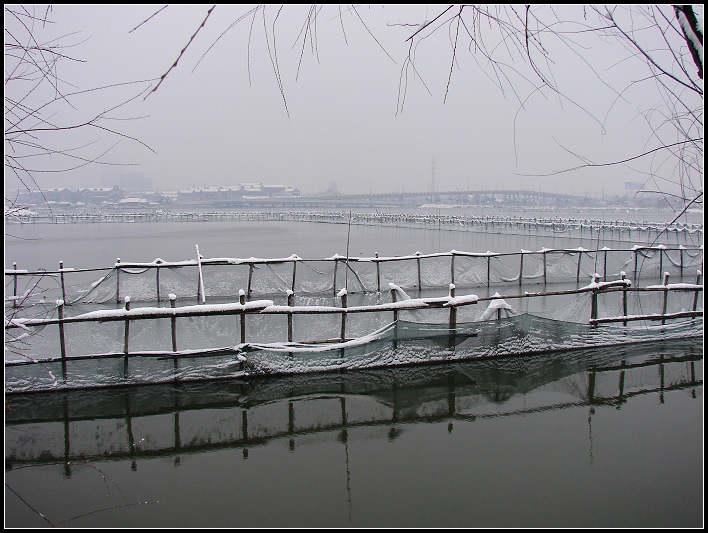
(695, 294)
(666, 297)
(291, 298)
(118, 280)
(591, 386)
(173, 322)
(378, 273)
(127, 326)
(242, 301)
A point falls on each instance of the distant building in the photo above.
(236, 192)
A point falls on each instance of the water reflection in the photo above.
(192, 418)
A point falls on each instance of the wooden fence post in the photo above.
(545, 277)
(521, 268)
(14, 292)
(118, 280)
(624, 298)
(173, 322)
(291, 301)
(62, 340)
(593, 307)
(418, 254)
(292, 285)
(453, 309)
(695, 294)
(242, 301)
(342, 333)
(61, 276)
(452, 268)
(666, 297)
(393, 299)
(127, 327)
(157, 281)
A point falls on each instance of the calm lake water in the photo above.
(597, 438)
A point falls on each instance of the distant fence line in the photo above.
(618, 229)
(224, 277)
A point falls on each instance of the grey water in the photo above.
(591, 438)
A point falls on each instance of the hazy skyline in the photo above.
(338, 117)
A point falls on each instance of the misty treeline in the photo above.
(523, 50)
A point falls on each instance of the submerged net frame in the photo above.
(338, 336)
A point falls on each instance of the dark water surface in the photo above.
(599, 438)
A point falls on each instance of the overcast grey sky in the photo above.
(225, 122)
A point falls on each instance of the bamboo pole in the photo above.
(695, 294)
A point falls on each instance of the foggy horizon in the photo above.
(347, 106)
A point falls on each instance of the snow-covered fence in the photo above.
(224, 277)
(632, 231)
(400, 302)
